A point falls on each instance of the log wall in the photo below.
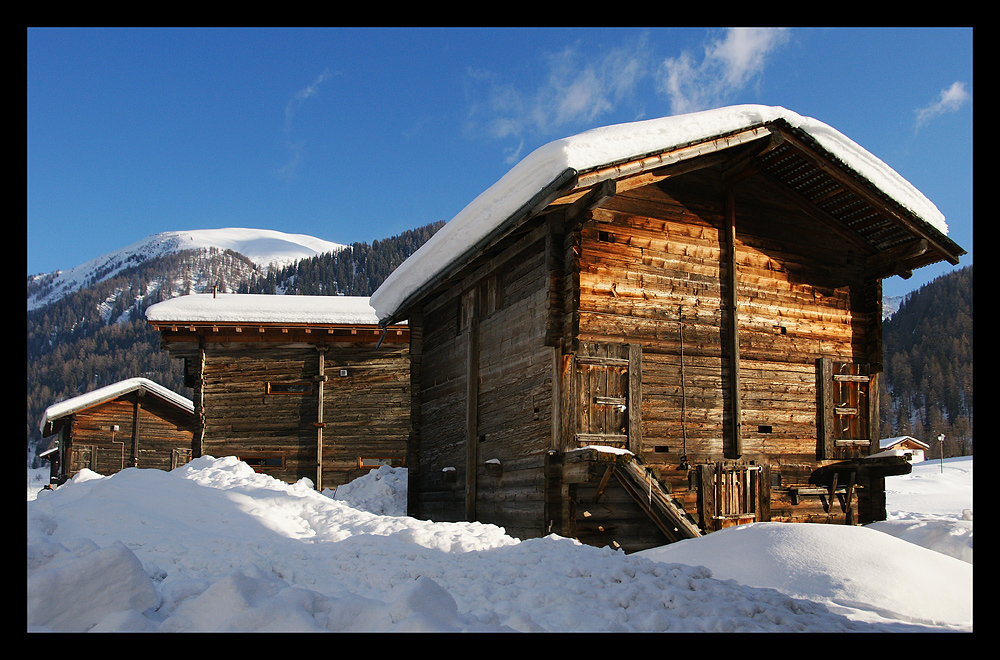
(652, 270)
(485, 400)
(160, 437)
(641, 288)
(261, 403)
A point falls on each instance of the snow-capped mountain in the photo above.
(890, 305)
(262, 247)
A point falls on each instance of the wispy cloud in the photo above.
(578, 87)
(582, 84)
(295, 147)
(730, 63)
(949, 100)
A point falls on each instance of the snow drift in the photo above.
(214, 546)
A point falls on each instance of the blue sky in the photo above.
(359, 134)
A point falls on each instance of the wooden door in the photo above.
(607, 395)
(848, 409)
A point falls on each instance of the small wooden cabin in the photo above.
(133, 423)
(295, 386)
(652, 331)
(906, 445)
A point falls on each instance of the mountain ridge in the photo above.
(265, 248)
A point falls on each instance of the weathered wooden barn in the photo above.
(295, 386)
(651, 331)
(133, 423)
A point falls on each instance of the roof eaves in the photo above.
(671, 155)
(945, 246)
(564, 181)
(84, 401)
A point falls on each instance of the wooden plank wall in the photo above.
(242, 419)
(365, 412)
(651, 271)
(514, 391)
(162, 429)
(649, 264)
(515, 400)
(437, 489)
(609, 516)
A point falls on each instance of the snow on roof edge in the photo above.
(264, 308)
(601, 146)
(885, 443)
(101, 394)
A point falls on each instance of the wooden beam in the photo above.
(747, 164)
(604, 482)
(655, 161)
(472, 413)
(735, 448)
(591, 199)
(635, 399)
(892, 262)
(320, 380)
(136, 413)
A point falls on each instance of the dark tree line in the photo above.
(356, 271)
(928, 357)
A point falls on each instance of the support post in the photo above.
(472, 415)
(735, 448)
(320, 380)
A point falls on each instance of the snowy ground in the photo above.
(214, 546)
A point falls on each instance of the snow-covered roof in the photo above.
(109, 392)
(604, 146)
(253, 308)
(886, 443)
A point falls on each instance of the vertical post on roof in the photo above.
(735, 448)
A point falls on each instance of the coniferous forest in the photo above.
(927, 379)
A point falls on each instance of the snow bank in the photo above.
(610, 144)
(849, 567)
(214, 546)
(381, 491)
(932, 507)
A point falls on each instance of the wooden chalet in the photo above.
(295, 386)
(652, 331)
(906, 445)
(133, 423)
